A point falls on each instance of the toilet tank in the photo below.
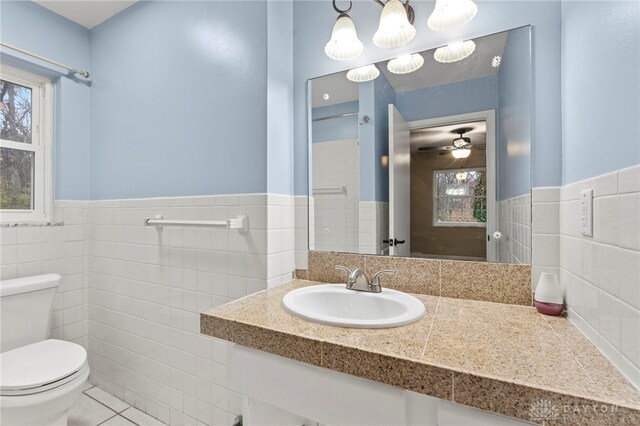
(25, 309)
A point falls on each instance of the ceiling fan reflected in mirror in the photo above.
(460, 147)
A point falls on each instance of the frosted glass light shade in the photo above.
(394, 29)
(405, 64)
(344, 44)
(362, 74)
(450, 14)
(454, 52)
(461, 153)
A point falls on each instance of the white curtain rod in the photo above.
(72, 70)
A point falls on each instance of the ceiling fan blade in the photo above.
(433, 148)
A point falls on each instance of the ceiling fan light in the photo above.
(344, 44)
(461, 176)
(450, 14)
(461, 153)
(459, 142)
(454, 52)
(406, 64)
(362, 74)
(394, 29)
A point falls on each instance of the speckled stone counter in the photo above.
(507, 359)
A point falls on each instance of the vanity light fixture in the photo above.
(344, 44)
(461, 152)
(454, 52)
(395, 27)
(362, 74)
(405, 64)
(450, 14)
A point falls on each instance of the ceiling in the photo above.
(337, 86)
(432, 73)
(87, 13)
(444, 135)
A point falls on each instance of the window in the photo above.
(25, 151)
(460, 197)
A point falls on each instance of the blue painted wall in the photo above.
(375, 97)
(178, 104)
(335, 128)
(280, 97)
(460, 97)
(313, 21)
(29, 26)
(384, 95)
(514, 117)
(600, 87)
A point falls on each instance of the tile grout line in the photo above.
(435, 313)
(566, 345)
(117, 413)
(127, 418)
(104, 421)
(102, 403)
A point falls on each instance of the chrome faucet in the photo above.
(358, 280)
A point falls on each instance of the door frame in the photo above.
(489, 116)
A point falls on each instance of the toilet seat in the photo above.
(40, 366)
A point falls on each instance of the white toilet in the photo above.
(40, 378)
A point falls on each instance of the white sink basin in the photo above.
(335, 305)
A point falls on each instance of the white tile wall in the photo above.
(600, 275)
(514, 221)
(373, 227)
(336, 164)
(59, 248)
(147, 287)
(304, 228)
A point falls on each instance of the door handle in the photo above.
(393, 242)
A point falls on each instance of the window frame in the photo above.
(435, 198)
(41, 145)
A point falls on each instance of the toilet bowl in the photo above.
(40, 378)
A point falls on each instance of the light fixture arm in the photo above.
(411, 14)
(340, 11)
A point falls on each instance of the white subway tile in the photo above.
(609, 324)
(606, 184)
(606, 220)
(545, 250)
(545, 194)
(630, 221)
(629, 180)
(629, 331)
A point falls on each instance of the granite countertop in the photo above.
(507, 359)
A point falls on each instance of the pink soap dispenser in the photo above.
(548, 298)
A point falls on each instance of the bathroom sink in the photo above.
(333, 304)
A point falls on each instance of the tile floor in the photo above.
(97, 407)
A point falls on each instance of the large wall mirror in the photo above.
(432, 163)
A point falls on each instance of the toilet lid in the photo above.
(39, 364)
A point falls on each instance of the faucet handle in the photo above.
(344, 268)
(375, 280)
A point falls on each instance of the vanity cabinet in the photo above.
(279, 391)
